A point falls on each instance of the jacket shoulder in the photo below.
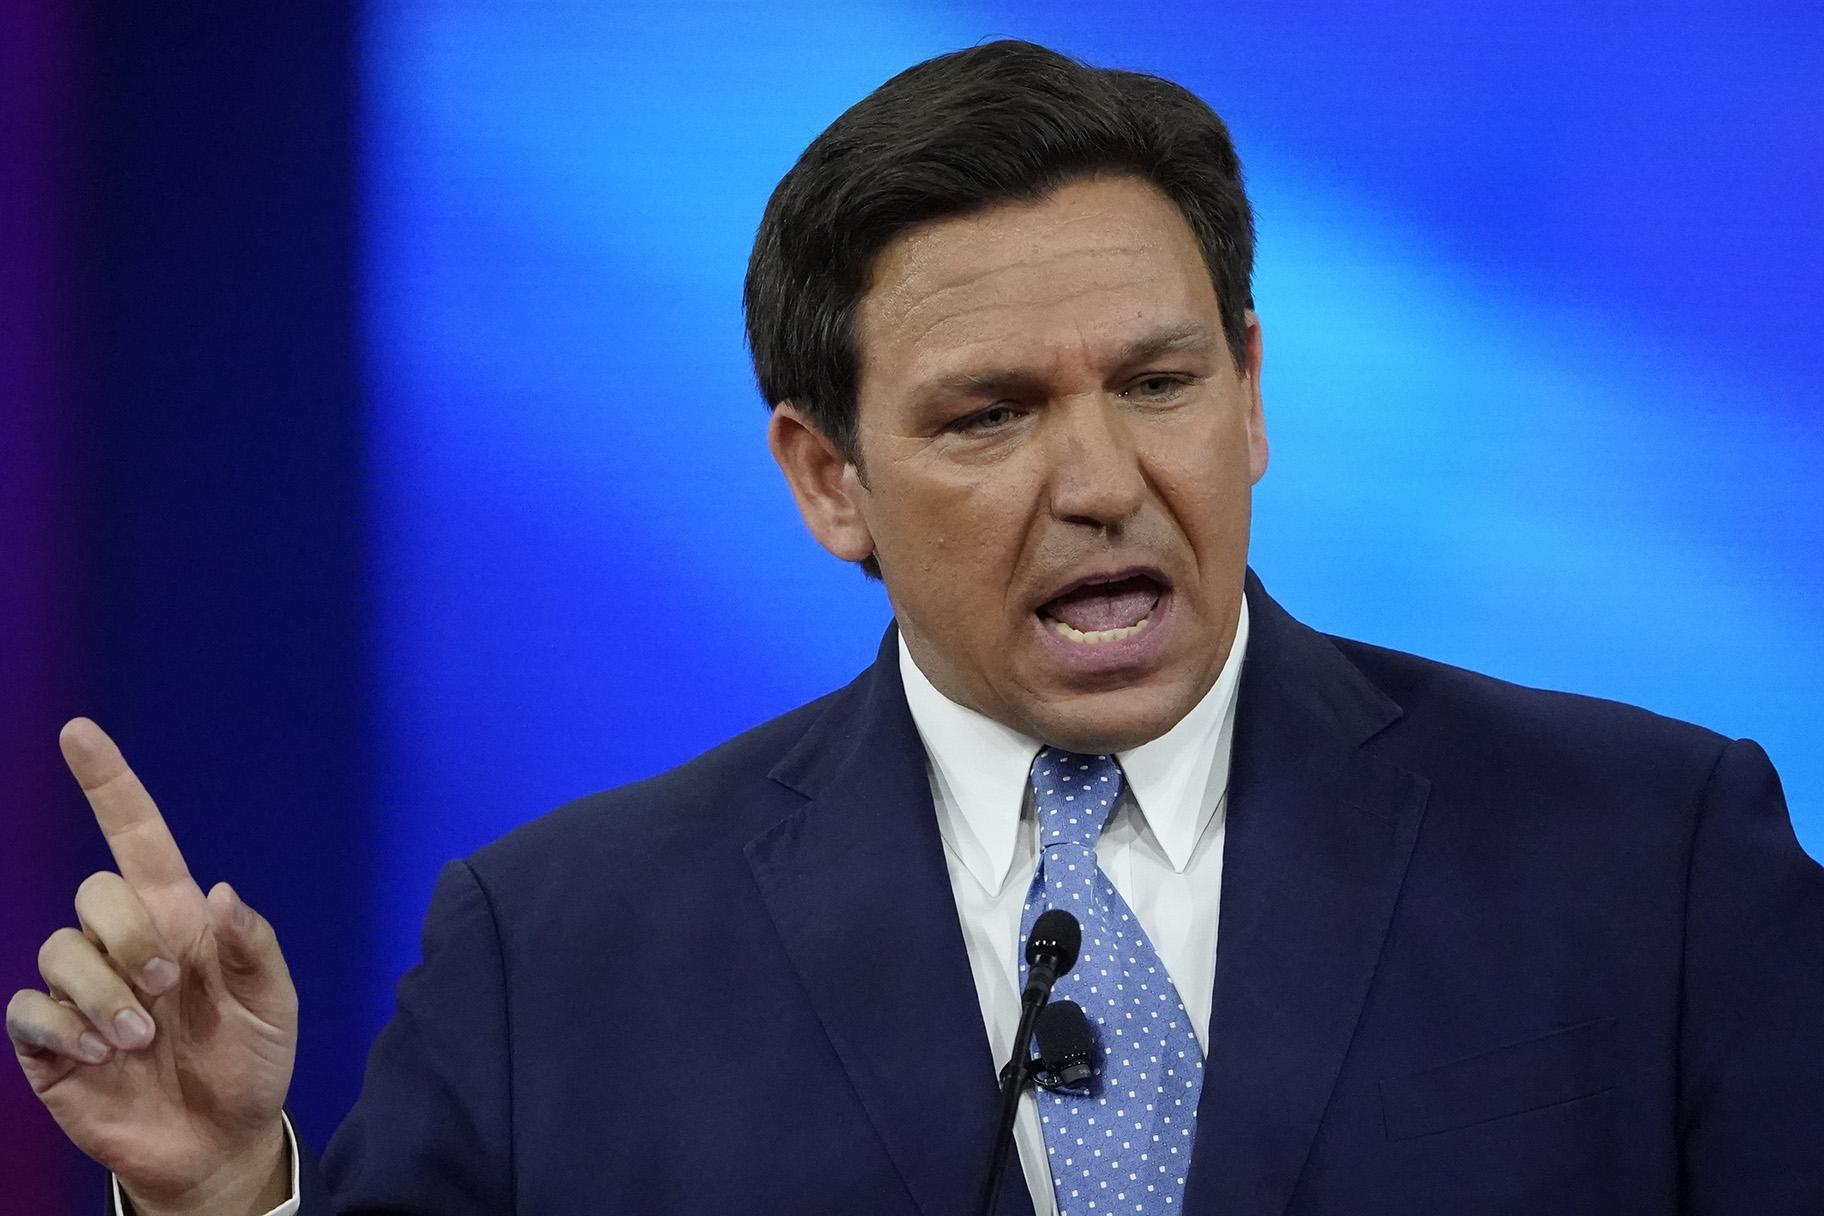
(722, 798)
(1481, 719)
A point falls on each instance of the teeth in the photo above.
(1098, 636)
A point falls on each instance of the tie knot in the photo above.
(1074, 795)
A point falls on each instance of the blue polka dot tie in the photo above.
(1123, 1144)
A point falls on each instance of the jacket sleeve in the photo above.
(431, 1134)
(1751, 1050)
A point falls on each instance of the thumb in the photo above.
(253, 969)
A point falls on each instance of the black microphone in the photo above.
(1067, 1047)
(1051, 951)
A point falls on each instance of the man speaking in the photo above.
(1361, 933)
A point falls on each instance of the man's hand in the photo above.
(163, 1043)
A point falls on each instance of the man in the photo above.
(1363, 933)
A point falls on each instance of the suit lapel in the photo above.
(1319, 832)
(856, 883)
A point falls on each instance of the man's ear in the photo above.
(824, 483)
(1257, 416)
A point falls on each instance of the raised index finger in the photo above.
(137, 836)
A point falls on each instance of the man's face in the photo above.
(1058, 456)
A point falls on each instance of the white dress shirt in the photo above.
(1162, 849)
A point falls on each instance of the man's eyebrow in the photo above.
(983, 384)
(1189, 338)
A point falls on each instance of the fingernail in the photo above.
(132, 1029)
(158, 975)
(91, 1048)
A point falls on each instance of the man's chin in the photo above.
(1116, 720)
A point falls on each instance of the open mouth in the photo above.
(1098, 612)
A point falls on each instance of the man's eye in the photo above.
(990, 419)
(1153, 388)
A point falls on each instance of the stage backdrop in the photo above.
(381, 459)
(1540, 295)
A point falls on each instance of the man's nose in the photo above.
(1095, 467)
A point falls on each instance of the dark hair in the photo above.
(1003, 122)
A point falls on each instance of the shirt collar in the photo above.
(979, 770)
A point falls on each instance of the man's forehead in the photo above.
(1090, 226)
(1113, 268)
(965, 284)
(1032, 330)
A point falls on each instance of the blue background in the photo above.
(1539, 292)
(380, 461)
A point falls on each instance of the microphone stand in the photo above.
(1013, 1084)
(1051, 951)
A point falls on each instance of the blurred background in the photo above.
(380, 463)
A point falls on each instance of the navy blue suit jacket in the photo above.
(1484, 949)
